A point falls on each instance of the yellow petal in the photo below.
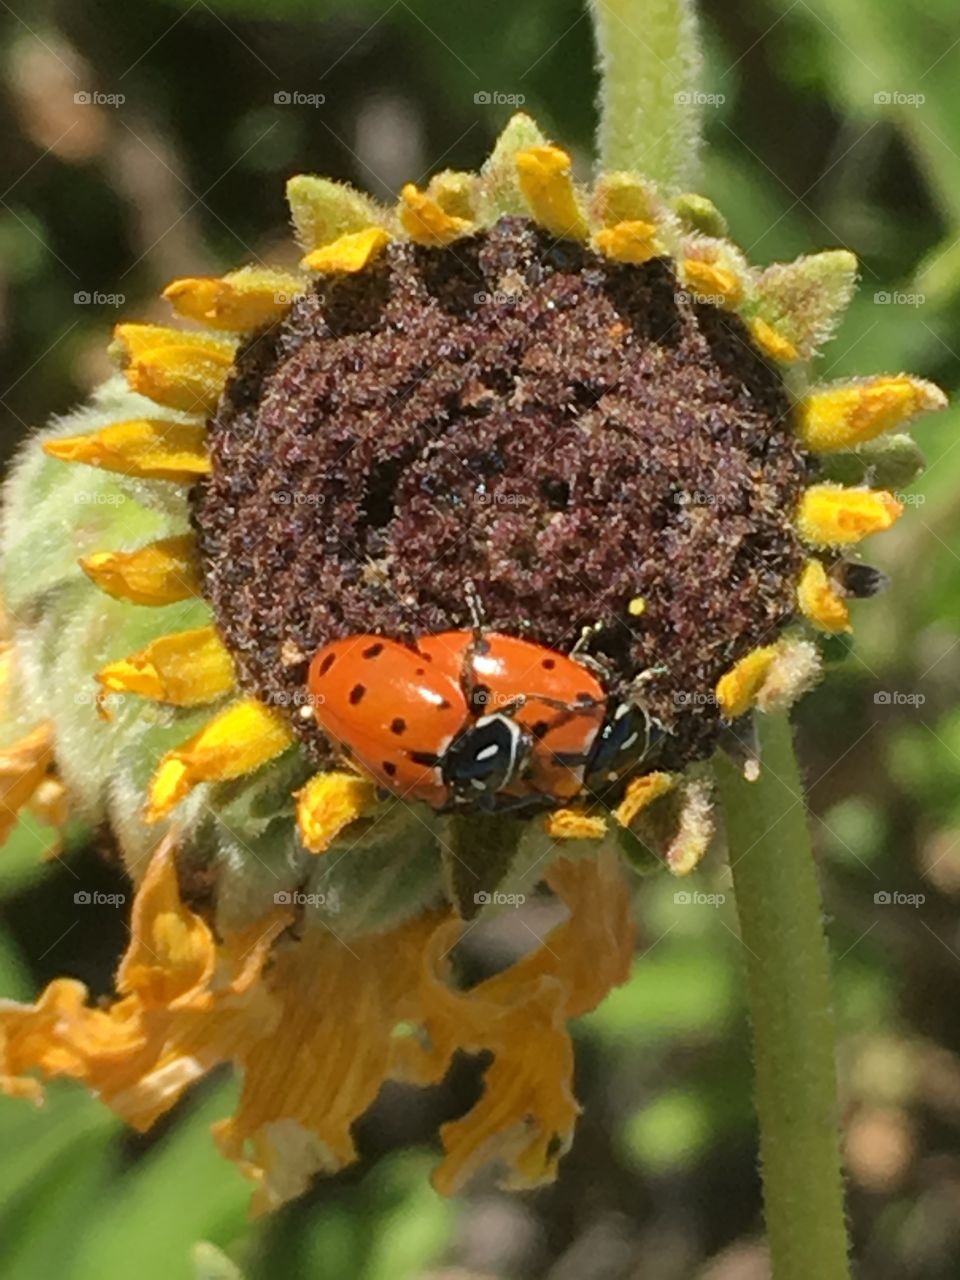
(184, 1003)
(641, 792)
(236, 742)
(180, 377)
(820, 600)
(524, 1121)
(831, 516)
(844, 416)
(628, 242)
(545, 179)
(574, 824)
(188, 669)
(131, 341)
(150, 449)
(242, 301)
(309, 1078)
(773, 344)
(162, 572)
(350, 254)
(427, 222)
(329, 803)
(23, 767)
(737, 690)
(713, 281)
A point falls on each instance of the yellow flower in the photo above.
(473, 385)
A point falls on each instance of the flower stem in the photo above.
(781, 926)
(650, 113)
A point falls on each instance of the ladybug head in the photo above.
(484, 758)
(627, 737)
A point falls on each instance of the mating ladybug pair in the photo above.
(474, 719)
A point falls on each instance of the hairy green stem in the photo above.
(650, 106)
(781, 926)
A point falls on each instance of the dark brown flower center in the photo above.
(578, 439)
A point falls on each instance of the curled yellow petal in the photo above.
(713, 281)
(148, 448)
(180, 377)
(772, 343)
(23, 769)
(242, 301)
(844, 416)
(328, 804)
(188, 669)
(131, 341)
(641, 792)
(831, 516)
(162, 572)
(574, 824)
(236, 742)
(737, 690)
(633, 242)
(427, 222)
(545, 178)
(820, 600)
(350, 253)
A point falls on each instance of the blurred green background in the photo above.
(837, 122)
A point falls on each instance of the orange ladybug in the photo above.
(473, 719)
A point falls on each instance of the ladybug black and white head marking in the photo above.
(628, 735)
(485, 757)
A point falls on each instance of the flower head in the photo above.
(578, 413)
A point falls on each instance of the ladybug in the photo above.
(472, 719)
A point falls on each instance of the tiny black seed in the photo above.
(356, 693)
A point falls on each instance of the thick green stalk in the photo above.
(650, 104)
(781, 927)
